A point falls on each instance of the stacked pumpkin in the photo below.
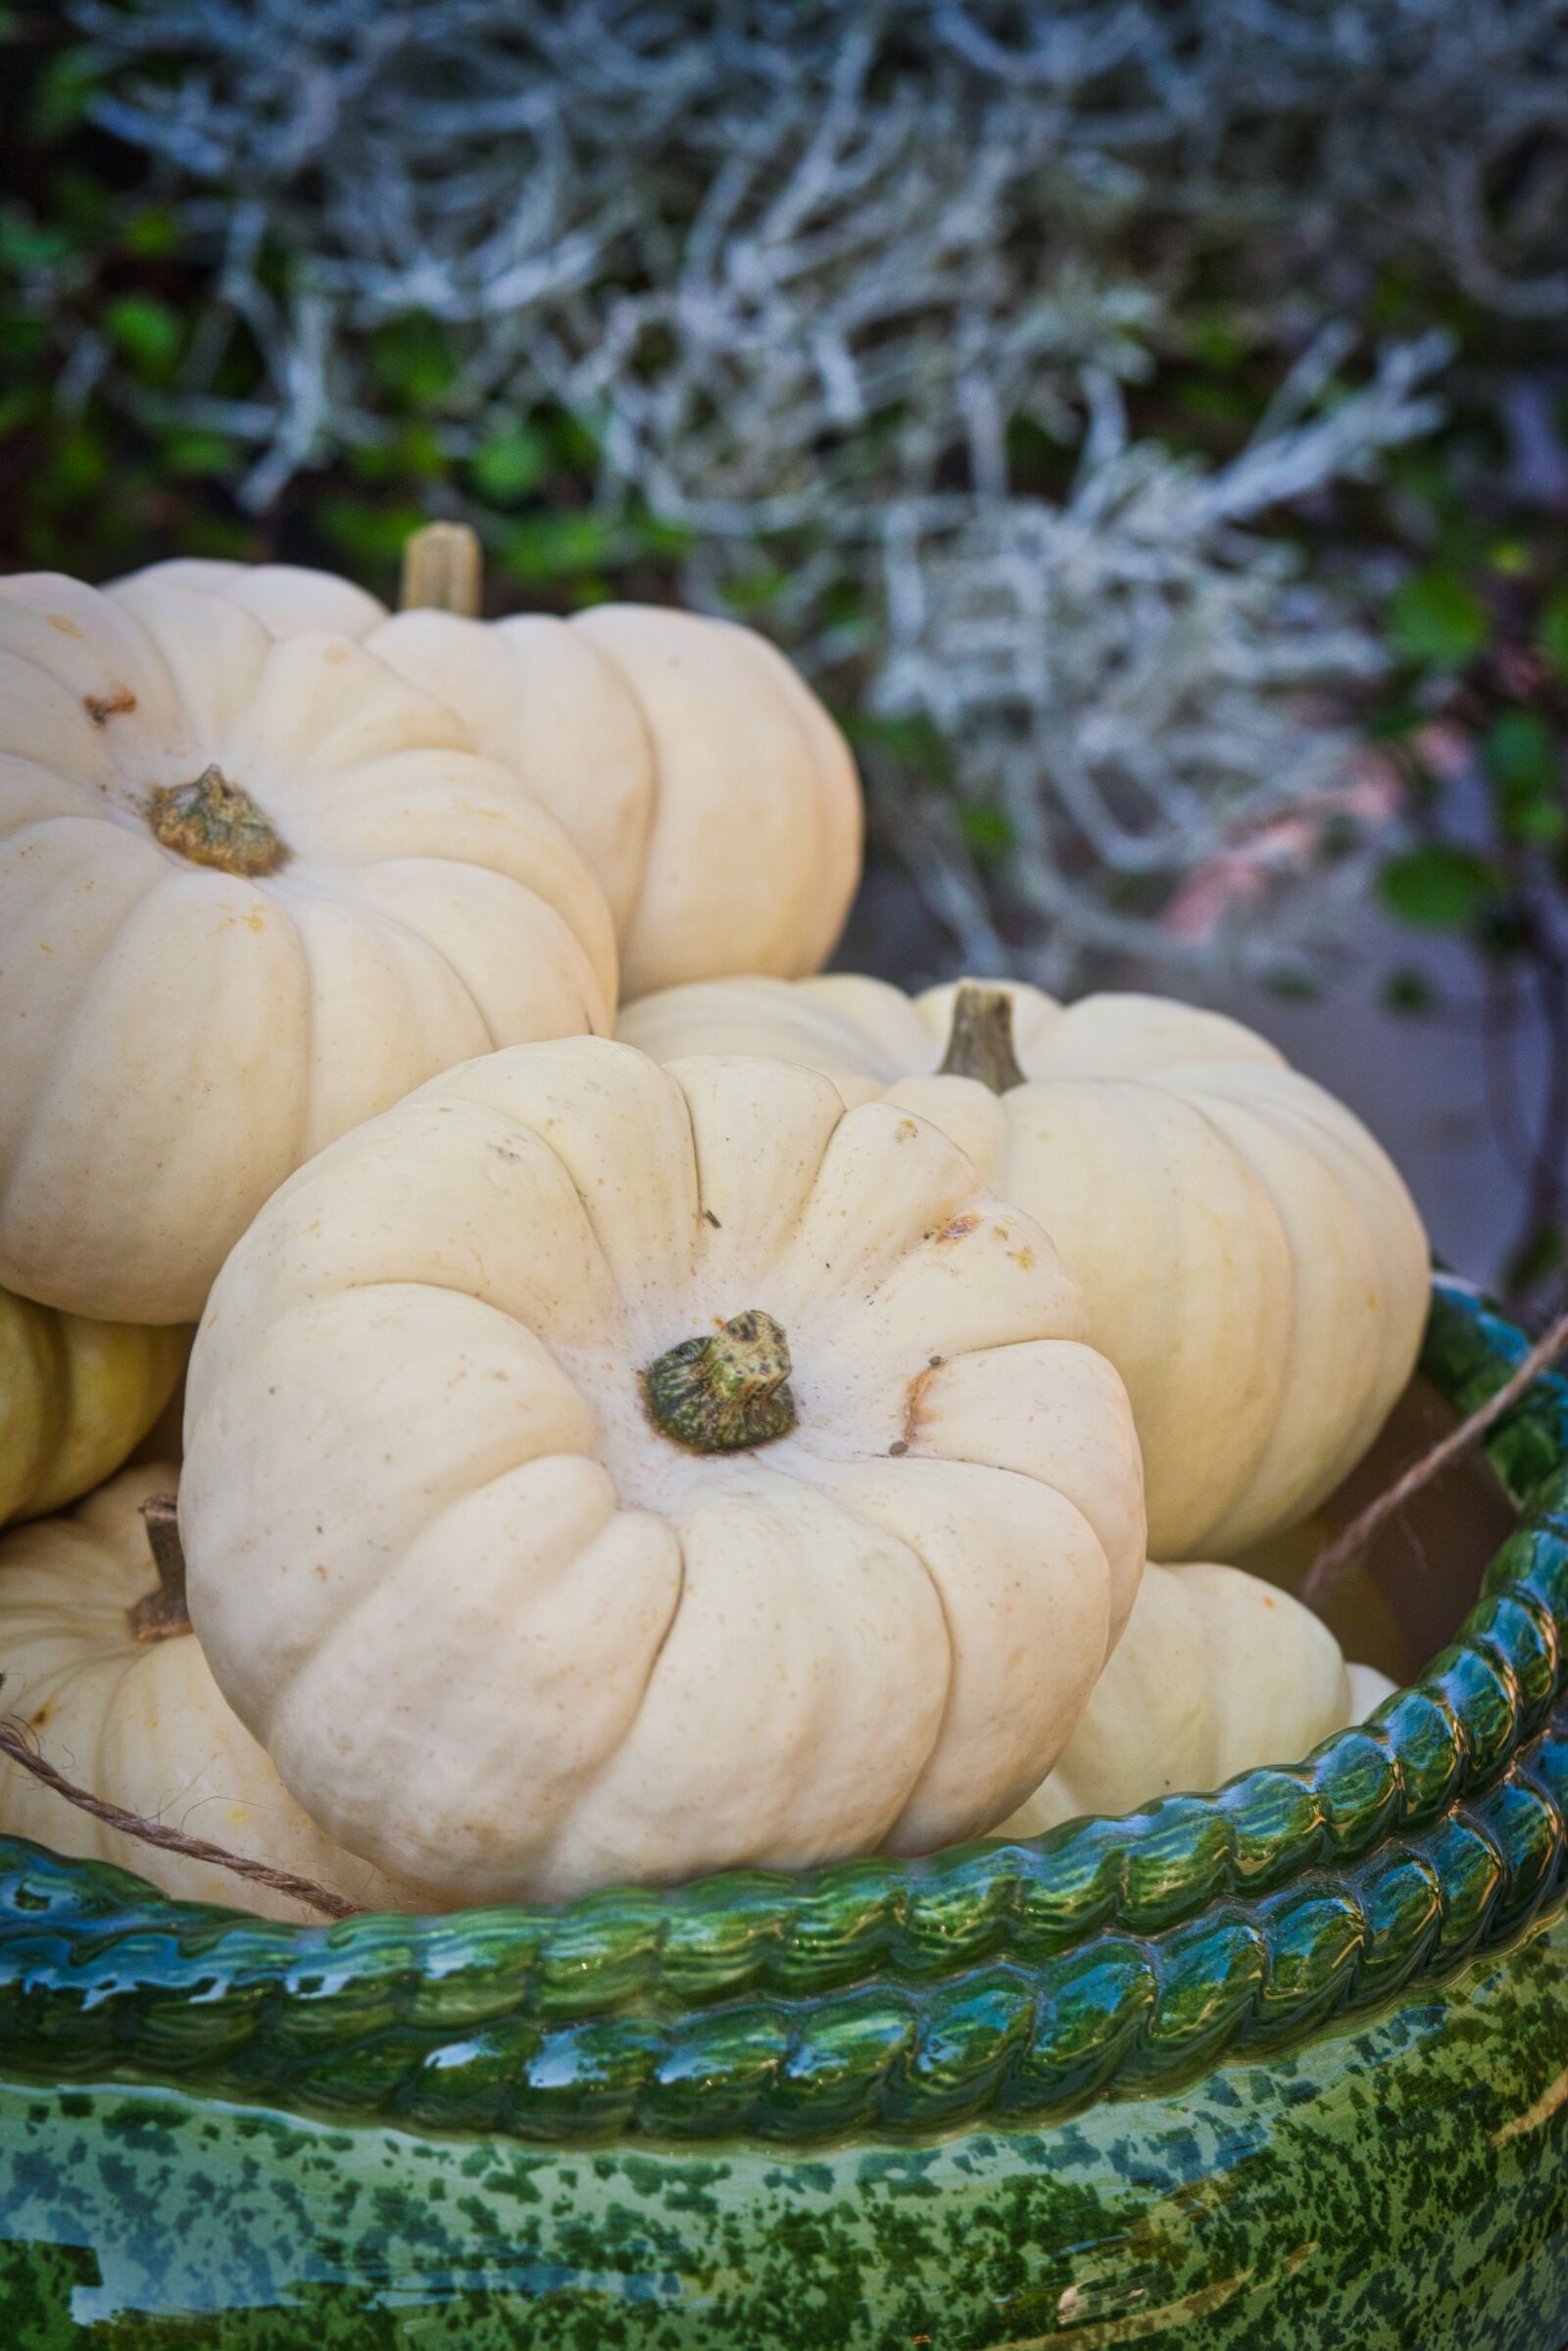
(733, 1441)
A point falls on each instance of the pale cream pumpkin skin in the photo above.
(76, 1398)
(1216, 1672)
(503, 1633)
(711, 792)
(251, 891)
(1255, 1266)
(139, 1723)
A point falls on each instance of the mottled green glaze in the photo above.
(1280, 2068)
(1395, 2189)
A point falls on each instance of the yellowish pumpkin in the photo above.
(1255, 1266)
(1217, 1672)
(598, 1472)
(102, 1669)
(702, 780)
(75, 1399)
(251, 891)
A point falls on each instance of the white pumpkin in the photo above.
(124, 1705)
(251, 891)
(1216, 1672)
(701, 777)
(76, 1398)
(506, 1538)
(1254, 1264)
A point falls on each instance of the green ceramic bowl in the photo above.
(1284, 2067)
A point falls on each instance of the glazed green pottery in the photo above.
(1282, 2069)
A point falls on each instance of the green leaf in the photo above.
(81, 201)
(657, 534)
(148, 332)
(509, 465)
(987, 830)
(368, 534)
(63, 92)
(1216, 402)
(150, 234)
(1436, 888)
(219, 535)
(413, 359)
(1535, 1258)
(22, 340)
(198, 454)
(752, 591)
(913, 741)
(418, 452)
(1215, 338)
(1294, 983)
(1409, 991)
(1436, 619)
(554, 546)
(78, 467)
(1523, 761)
(19, 408)
(1552, 632)
(27, 245)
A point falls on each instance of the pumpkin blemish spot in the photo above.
(898, 1446)
(101, 708)
(713, 1220)
(960, 1228)
(63, 623)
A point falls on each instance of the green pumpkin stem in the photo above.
(980, 1042)
(213, 823)
(725, 1394)
(161, 1614)
(443, 571)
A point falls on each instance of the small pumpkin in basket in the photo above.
(100, 1668)
(1254, 1264)
(252, 890)
(597, 1472)
(705, 783)
(76, 1398)
(1216, 1672)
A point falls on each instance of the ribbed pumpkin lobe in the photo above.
(980, 1042)
(726, 1393)
(161, 1613)
(213, 823)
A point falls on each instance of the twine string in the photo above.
(14, 1744)
(1330, 1564)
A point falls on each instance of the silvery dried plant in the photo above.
(806, 269)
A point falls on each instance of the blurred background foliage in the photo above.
(1146, 419)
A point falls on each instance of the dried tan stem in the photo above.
(162, 1614)
(980, 1042)
(443, 571)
